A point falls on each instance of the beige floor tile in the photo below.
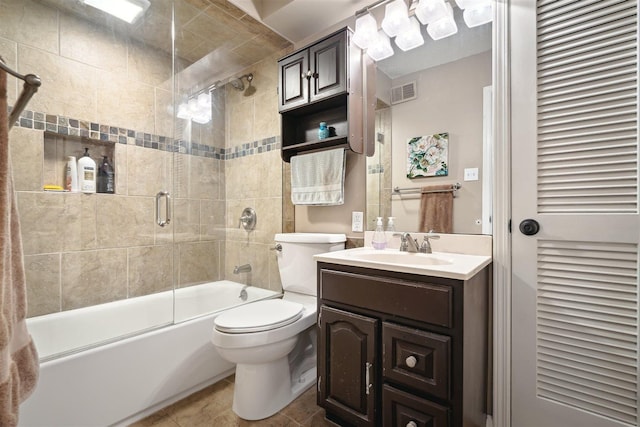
(158, 419)
(303, 408)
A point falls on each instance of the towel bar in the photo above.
(418, 190)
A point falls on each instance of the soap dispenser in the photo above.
(379, 240)
(86, 173)
(391, 228)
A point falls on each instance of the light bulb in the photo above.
(183, 112)
(429, 11)
(396, 16)
(443, 27)
(366, 31)
(478, 15)
(381, 48)
(410, 37)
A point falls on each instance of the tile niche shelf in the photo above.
(58, 147)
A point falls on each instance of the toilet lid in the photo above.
(259, 316)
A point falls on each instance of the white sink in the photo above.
(439, 264)
(400, 258)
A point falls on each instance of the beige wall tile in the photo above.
(269, 213)
(148, 65)
(120, 168)
(198, 262)
(131, 106)
(56, 222)
(240, 127)
(204, 178)
(125, 221)
(212, 220)
(27, 154)
(150, 269)
(30, 22)
(164, 112)
(43, 284)
(92, 44)
(93, 277)
(148, 171)
(181, 175)
(68, 86)
(186, 217)
(267, 118)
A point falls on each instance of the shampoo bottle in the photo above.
(71, 179)
(379, 240)
(105, 177)
(87, 173)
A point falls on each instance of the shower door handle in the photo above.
(167, 216)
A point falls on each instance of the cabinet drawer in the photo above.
(411, 300)
(400, 409)
(416, 358)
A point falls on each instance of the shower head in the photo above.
(239, 85)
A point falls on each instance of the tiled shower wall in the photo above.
(82, 250)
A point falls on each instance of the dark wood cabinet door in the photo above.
(347, 365)
(327, 60)
(294, 82)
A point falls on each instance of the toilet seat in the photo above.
(259, 316)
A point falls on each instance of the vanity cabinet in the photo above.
(327, 82)
(398, 349)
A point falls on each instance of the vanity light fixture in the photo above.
(437, 15)
(476, 12)
(127, 10)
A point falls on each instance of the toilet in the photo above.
(273, 342)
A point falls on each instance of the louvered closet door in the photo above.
(575, 172)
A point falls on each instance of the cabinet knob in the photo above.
(411, 362)
(412, 424)
(308, 75)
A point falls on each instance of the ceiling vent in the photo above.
(403, 93)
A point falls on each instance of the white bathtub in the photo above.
(127, 379)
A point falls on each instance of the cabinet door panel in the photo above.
(347, 365)
(416, 358)
(294, 88)
(328, 63)
(400, 409)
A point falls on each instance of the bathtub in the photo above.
(124, 380)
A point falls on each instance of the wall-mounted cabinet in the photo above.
(325, 82)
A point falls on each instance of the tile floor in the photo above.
(211, 407)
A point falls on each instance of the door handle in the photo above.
(367, 377)
(529, 227)
(167, 213)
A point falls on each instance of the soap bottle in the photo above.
(105, 177)
(86, 173)
(391, 229)
(323, 132)
(379, 240)
(71, 178)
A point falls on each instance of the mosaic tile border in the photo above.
(65, 126)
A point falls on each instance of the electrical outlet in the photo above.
(471, 174)
(357, 219)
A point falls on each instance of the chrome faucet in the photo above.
(408, 243)
(425, 247)
(244, 268)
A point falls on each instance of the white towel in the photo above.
(318, 178)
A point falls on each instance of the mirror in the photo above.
(444, 86)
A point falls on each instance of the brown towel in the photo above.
(18, 357)
(436, 209)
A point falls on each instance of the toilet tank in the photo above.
(295, 260)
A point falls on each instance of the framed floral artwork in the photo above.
(428, 155)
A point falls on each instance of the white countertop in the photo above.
(439, 264)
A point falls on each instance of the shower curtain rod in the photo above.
(31, 85)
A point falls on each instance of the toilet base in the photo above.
(263, 390)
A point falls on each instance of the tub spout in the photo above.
(245, 268)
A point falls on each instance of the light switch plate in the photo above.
(471, 174)
(356, 221)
